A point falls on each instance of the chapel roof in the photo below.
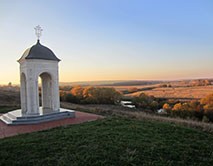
(39, 51)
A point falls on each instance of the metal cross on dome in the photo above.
(38, 31)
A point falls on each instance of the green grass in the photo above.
(5, 109)
(110, 141)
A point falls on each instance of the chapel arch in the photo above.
(46, 92)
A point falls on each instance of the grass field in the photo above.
(5, 109)
(110, 141)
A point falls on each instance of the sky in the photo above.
(111, 39)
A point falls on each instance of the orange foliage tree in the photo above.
(77, 91)
(167, 107)
(207, 103)
(92, 95)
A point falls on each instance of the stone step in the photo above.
(6, 118)
(43, 116)
(17, 122)
(11, 115)
(15, 118)
(5, 121)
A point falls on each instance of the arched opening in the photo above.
(23, 93)
(46, 93)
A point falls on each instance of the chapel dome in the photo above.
(39, 51)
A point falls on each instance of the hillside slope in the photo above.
(110, 141)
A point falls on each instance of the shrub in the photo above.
(154, 105)
(146, 102)
(78, 92)
(197, 109)
(177, 107)
(207, 103)
(182, 110)
(208, 99)
(62, 95)
(133, 89)
(209, 114)
(205, 119)
(71, 98)
(167, 107)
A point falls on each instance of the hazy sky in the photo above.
(111, 39)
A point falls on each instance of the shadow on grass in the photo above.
(5, 109)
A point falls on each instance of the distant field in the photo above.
(178, 92)
(122, 88)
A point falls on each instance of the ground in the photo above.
(114, 140)
(121, 138)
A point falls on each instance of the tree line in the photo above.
(196, 110)
(91, 95)
(199, 110)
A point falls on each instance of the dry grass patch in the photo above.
(135, 113)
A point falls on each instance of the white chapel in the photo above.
(38, 61)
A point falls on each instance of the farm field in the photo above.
(178, 91)
(190, 93)
(123, 88)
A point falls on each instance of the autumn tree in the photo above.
(207, 82)
(167, 107)
(207, 103)
(201, 83)
(91, 95)
(78, 92)
(154, 105)
(207, 100)
(192, 110)
(145, 101)
(177, 107)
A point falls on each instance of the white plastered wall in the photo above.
(32, 69)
